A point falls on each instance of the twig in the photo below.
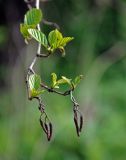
(55, 25)
(28, 2)
(66, 93)
(43, 55)
(39, 44)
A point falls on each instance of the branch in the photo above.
(66, 93)
(43, 55)
(30, 69)
(51, 24)
(29, 3)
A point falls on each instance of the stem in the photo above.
(32, 64)
(51, 24)
(66, 93)
(39, 45)
(37, 4)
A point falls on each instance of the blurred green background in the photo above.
(98, 52)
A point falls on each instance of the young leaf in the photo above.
(33, 17)
(57, 41)
(77, 80)
(34, 85)
(61, 81)
(54, 80)
(65, 40)
(34, 81)
(58, 34)
(54, 37)
(34, 93)
(67, 80)
(24, 30)
(56, 86)
(38, 36)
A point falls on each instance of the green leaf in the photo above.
(65, 40)
(56, 86)
(38, 36)
(57, 41)
(67, 80)
(24, 30)
(58, 34)
(34, 85)
(77, 80)
(34, 81)
(54, 37)
(54, 80)
(33, 17)
(61, 81)
(34, 93)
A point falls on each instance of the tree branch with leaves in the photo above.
(30, 29)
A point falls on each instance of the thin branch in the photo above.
(45, 0)
(66, 93)
(55, 25)
(39, 44)
(43, 55)
(32, 64)
(29, 3)
(37, 4)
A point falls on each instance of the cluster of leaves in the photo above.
(35, 83)
(31, 19)
(64, 80)
(29, 30)
(55, 40)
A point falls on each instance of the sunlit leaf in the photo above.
(65, 40)
(77, 80)
(38, 36)
(34, 81)
(54, 37)
(67, 80)
(24, 30)
(34, 93)
(61, 81)
(57, 87)
(34, 85)
(57, 41)
(58, 34)
(33, 17)
(54, 79)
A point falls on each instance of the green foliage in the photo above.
(53, 37)
(57, 41)
(34, 85)
(54, 81)
(105, 127)
(31, 29)
(28, 29)
(64, 80)
(33, 17)
(24, 30)
(39, 36)
(31, 20)
(77, 80)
